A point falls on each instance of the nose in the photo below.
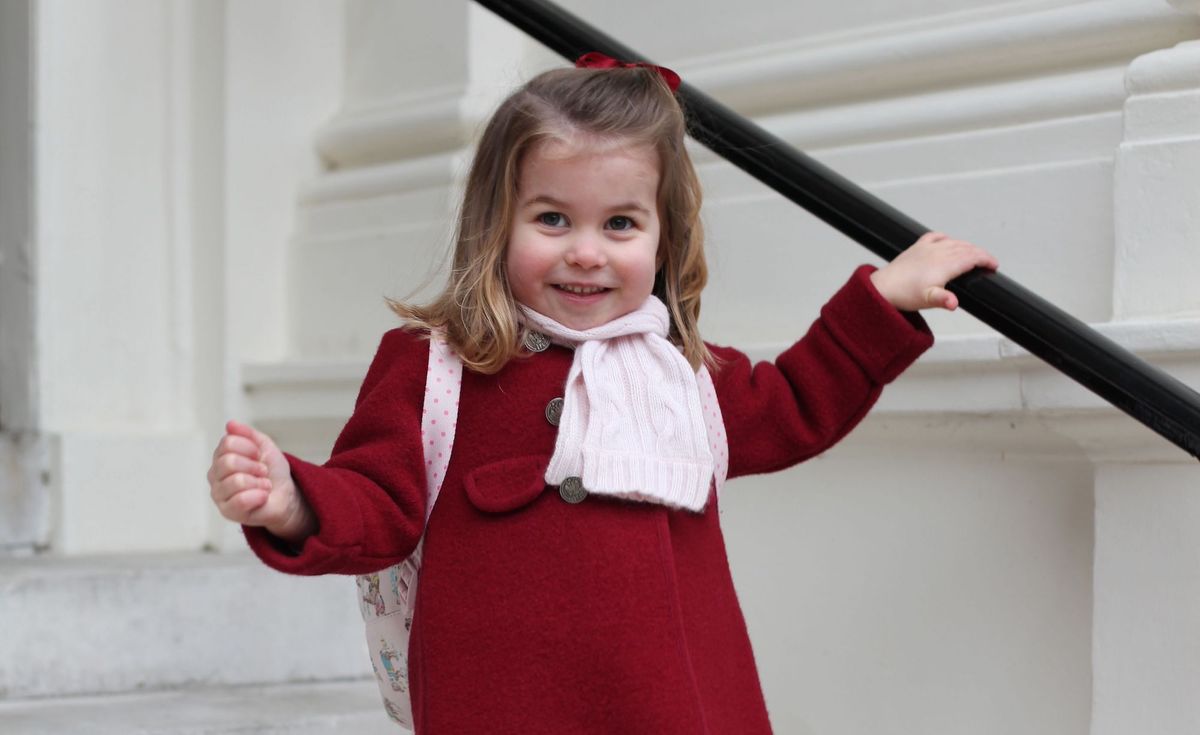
(585, 252)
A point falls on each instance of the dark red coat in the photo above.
(535, 616)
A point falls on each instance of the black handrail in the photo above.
(1141, 390)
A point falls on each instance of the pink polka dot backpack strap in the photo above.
(443, 382)
(387, 598)
(715, 424)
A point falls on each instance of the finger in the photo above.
(966, 246)
(237, 483)
(974, 256)
(222, 491)
(237, 428)
(241, 506)
(984, 259)
(228, 464)
(261, 440)
(955, 259)
(232, 444)
(958, 248)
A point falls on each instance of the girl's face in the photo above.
(583, 247)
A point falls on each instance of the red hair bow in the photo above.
(597, 60)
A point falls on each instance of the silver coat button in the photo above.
(536, 341)
(572, 490)
(554, 411)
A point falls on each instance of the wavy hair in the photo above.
(625, 105)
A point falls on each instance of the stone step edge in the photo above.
(297, 709)
(79, 627)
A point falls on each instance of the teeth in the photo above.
(582, 289)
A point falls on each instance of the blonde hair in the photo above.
(627, 105)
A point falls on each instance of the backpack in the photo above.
(388, 611)
(387, 598)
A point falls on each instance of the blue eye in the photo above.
(620, 223)
(552, 219)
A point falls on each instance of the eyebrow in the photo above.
(547, 199)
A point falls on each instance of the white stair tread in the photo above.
(294, 709)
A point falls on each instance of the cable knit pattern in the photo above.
(632, 424)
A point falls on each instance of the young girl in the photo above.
(574, 576)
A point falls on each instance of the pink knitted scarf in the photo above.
(632, 424)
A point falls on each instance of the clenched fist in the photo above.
(251, 484)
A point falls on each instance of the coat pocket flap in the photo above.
(506, 485)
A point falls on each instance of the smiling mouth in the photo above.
(580, 290)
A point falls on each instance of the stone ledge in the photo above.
(973, 391)
(101, 625)
(964, 368)
(940, 51)
(297, 709)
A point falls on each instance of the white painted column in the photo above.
(281, 79)
(1157, 188)
(169, 140)
(1146, 634)
(24, 496)
(114, 310)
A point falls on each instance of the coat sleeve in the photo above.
(369, 498)
(778, 414)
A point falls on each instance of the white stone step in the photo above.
(298, 709)
(77, 627)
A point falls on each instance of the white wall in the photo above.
(283, 67)
(939, 592)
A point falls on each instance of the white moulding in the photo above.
(943, 111)
(886, 61)
(975, 392)
(397, 177)
(394, 129)
(895, 60)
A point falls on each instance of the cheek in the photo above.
(524, 269)
(659, 258)
(647, 269)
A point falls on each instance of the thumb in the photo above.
(262, 441)
(938, 297)
(271, 455)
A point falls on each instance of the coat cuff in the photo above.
(320, 553)
(882, 339)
